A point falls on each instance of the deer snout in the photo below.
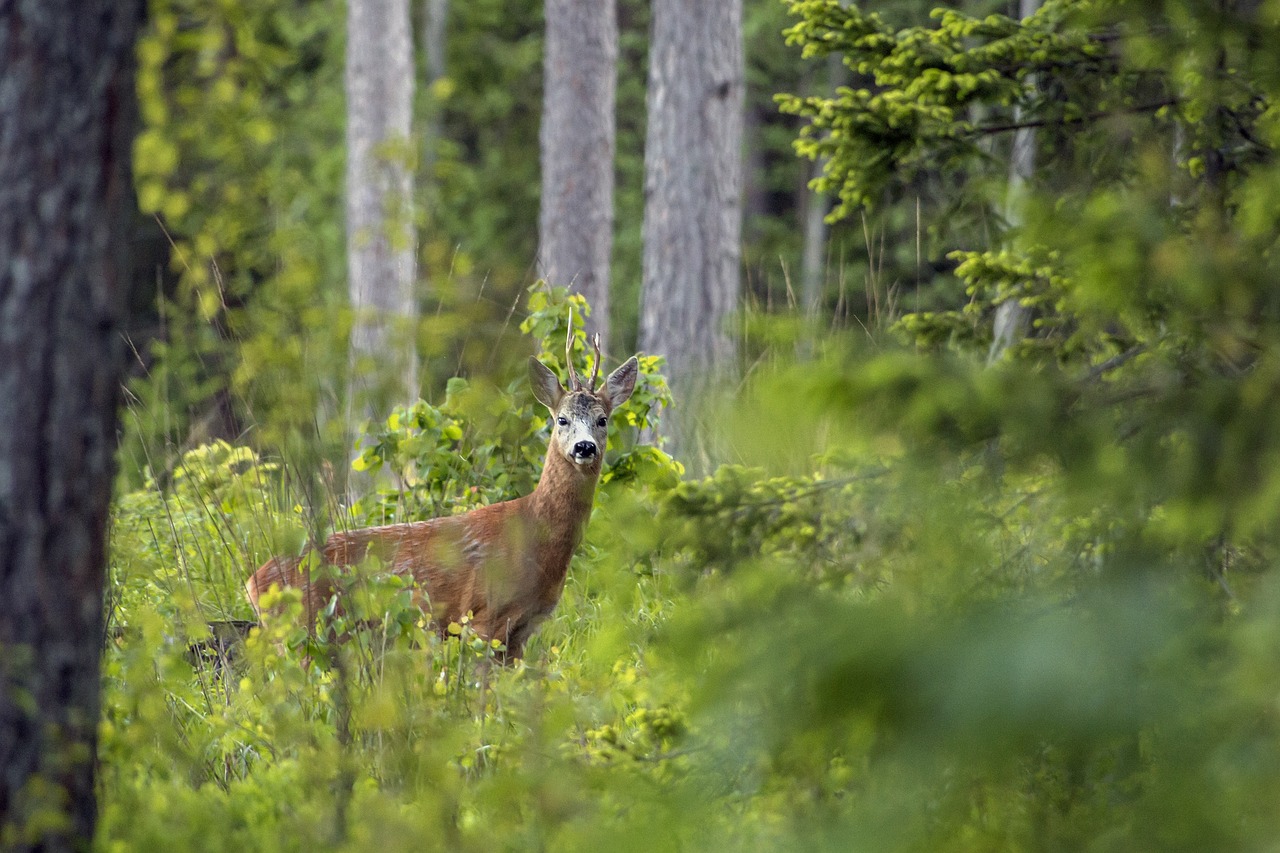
(584, 450)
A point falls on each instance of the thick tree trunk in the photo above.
(693, 192)
(575, 227)
(380, 244)
(66, 104)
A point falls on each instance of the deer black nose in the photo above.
(585, 449)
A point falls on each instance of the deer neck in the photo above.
(561, 503)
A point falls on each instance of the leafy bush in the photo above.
(300, 739)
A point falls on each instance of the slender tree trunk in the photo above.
(813, 259)
(1013, 320)
(814, 248)
(380, 244)
(578, 128)
(435, 16)
(66, 108)
(693, 193)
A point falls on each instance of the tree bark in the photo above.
(66, 109)
(693, 192)
(1013, 321)
(380, 243)
(575, 226)
(435, 18)
(813, 259)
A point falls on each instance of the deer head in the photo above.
(580, 413)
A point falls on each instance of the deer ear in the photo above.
(620, 384)
(546, 387)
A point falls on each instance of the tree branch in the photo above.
(990, 129)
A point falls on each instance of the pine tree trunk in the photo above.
(380, 244)
(693, 193)
(578, 128)
(66, 108)
(435, 18)
(813, 258)
(1013, 321)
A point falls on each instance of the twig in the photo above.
(1114, 362)
(990, 129)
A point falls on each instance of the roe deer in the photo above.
(505, 563)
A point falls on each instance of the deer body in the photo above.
(505, 564)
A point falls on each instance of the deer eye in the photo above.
(563, 421)
(603, 421)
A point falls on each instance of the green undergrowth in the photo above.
(925, 610)
(938, 595)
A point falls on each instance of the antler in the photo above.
(595, 370)
(575, 384)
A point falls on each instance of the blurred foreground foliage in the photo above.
(984, 612)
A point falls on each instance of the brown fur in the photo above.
(505, 564)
